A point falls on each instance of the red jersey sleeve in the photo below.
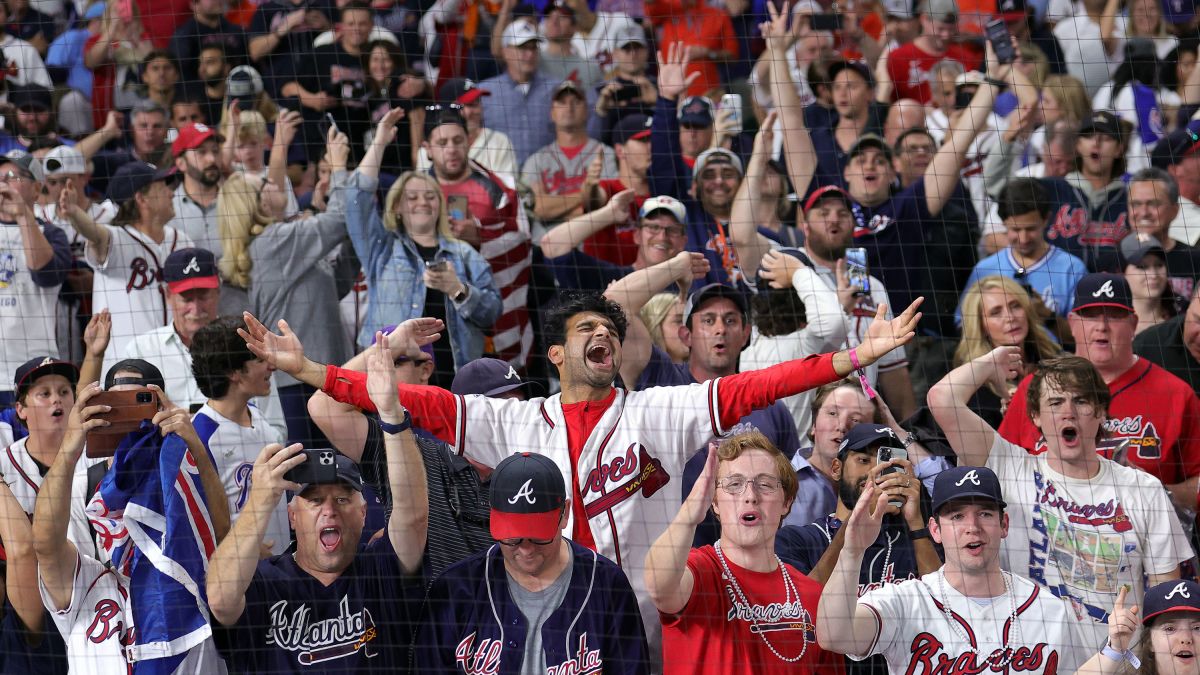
(1189, 438)
(741, 394)
(1017, 427)
(432, 408)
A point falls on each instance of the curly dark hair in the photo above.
(217, 351)
(554, 326)
(778, 311)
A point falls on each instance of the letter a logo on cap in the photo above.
(1106, 290)
(971, 477)
(1180, 590)
(512, 374)
(526, 493)
(45, 362)
(192, 266)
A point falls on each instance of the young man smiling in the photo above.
(1083, 525)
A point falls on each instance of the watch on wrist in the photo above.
(404, 425)
(922, 533)
(460, 296)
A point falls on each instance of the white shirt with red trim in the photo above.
(24, 478)
(917, 638)
(129, 283)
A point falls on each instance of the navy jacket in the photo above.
(1088, 231)
(472, 625)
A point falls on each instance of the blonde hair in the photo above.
(240, 219)
(1071, 95)
(264, 106)
(975, 341)
(252, 126)
(733, 447)
(654, 313)
(392, 222)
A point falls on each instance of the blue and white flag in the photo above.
(1149, 115)
(156, 528)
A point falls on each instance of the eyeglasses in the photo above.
(265, 182)
(671, 230)
(439, 107)
(763, 485)
(513, 543)
(13, 176)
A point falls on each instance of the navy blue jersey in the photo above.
(294, 624)
(890, 559)
(471, 624)
(1086, 230)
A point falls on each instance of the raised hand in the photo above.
(695, 507)
(286, 127)
(673, 79)
(96, 334)
(68, 201)
(1004, 364)
(1122, 623)
(283, 350)
(764, 141)
(862, 528)
(381, 378)
(338, 147)
(779, 268)
(775, 31)
(385, 132)
(408, 337)
(272, 465)
(883, 336)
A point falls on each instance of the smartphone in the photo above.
(318, 468)
(829, 22)
(435, 265)
(628, 92)
(733, 102)
(330, 123)
(129, 409)
(460, 208)
(856, 270)
(885, 454)
(1001, 39)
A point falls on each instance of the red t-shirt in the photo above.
(909, 68)
(712, 635)
(1154, 415)
(699, 25)
(615, 244)
(160, 18)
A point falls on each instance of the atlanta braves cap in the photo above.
(697, 299)
(664, 203)
(696, 111)
(31, 370)
(190, 268)
(1171, 596)
(490, 377)
(527, 496)
(1103, 290)
(863, 436)
(966, 482)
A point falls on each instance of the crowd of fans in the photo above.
(623, 336)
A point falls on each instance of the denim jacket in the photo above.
(394, 271)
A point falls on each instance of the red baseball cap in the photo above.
(192, 136)
(461, 90)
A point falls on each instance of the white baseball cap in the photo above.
(64, 159)
(664, 203)
(518, 33)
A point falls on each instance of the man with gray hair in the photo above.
(1153, 202)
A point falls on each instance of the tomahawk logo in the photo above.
(1180, 590)
(46, 361)
(1106, 290)
(526, 493)
(192, 266)
(971, 478)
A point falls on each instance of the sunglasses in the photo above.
(515, 542)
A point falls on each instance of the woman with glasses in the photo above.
(280, 262)
(999, 312)
(413, 265)
(735, 606)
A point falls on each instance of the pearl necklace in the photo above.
(789, 590)
(1014, 637)
(887, 556)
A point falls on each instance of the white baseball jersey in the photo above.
(24, 478)
(234, 448)
(27, 311)
(917, 638)
(1084, 539)
(630, 468)
(129, 283)
(98, 627)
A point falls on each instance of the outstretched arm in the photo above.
(798, 151)
(752, 246)
(668, 580)
(408, 526)
(843, 625)
(969, 435)
(943, 173)
(232, 566)
(56, 555)
(97, 235)
(562, 239)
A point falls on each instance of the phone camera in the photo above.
(145, 397)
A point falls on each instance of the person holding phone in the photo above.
(413, 263)
(334, 576)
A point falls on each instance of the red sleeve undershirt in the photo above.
(432, 408)
(743, 393)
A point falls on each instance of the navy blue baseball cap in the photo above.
(706, 293)
(966, 482)
(1102, 289)
(135, 175)
(863, 436)
(632, 128)
(697, 111)
(1176, 146)
(347, 472)
(489, 377)
(31, 370)
(148, 374)
(527, 497)
(1171, 596)
(190, 268)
